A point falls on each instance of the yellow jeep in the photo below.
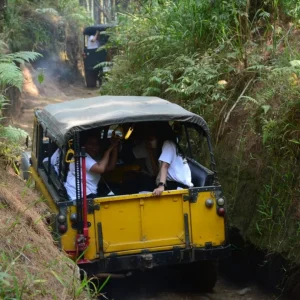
(121, 233)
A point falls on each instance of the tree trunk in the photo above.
(2, 12)
(97, 11)
(92, 10)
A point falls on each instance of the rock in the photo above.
(215, 297)
(244, 291)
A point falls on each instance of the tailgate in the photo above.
(132, 223)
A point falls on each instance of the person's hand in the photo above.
(158, 191)
(114, 141)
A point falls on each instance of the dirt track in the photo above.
(36, 95)
(159, 284)
(162, 284)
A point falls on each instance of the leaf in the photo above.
(41, 77)
(295, 141)
(104, 284)
(58, 278)
(265, 108)
(222, 82)
(155, 79)
(250, 99)
(295, 63)
(47, 10)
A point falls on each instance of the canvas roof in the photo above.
(62, 119)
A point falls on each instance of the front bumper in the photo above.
(148, 260)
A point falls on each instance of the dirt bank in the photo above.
(32, 267)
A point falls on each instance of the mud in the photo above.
(164, 284)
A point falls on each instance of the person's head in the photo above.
(91, 141)
(163, 132)
(92, 145)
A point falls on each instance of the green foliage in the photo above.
(166, 51)
(276, 226)
(12, 144)
(10, 73)
(181, 49)
(279, 98)
(40, 26)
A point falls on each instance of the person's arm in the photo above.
(95, 36)
(112, 160)
(163, 178)
(101, 165)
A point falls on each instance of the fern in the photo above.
(10, 74)
(250, 99)
(47, 11)
(20, 57)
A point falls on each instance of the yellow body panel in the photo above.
(132, 223)
(42, 188)
(141, 222)
(69, 238)
(206, 225)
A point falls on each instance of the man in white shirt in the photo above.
(93, 42)
(94, 167)
(174, 170)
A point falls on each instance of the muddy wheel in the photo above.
(201, 276)
(90, 79)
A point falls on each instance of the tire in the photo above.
(90, 79)
(201, 276)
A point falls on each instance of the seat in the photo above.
(201, 176)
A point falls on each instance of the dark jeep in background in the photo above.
(93, 57)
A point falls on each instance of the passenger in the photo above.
(93, 42)
(94, 166)
(54, 160)
(143, 151)
(174, 171)
(146, 149)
